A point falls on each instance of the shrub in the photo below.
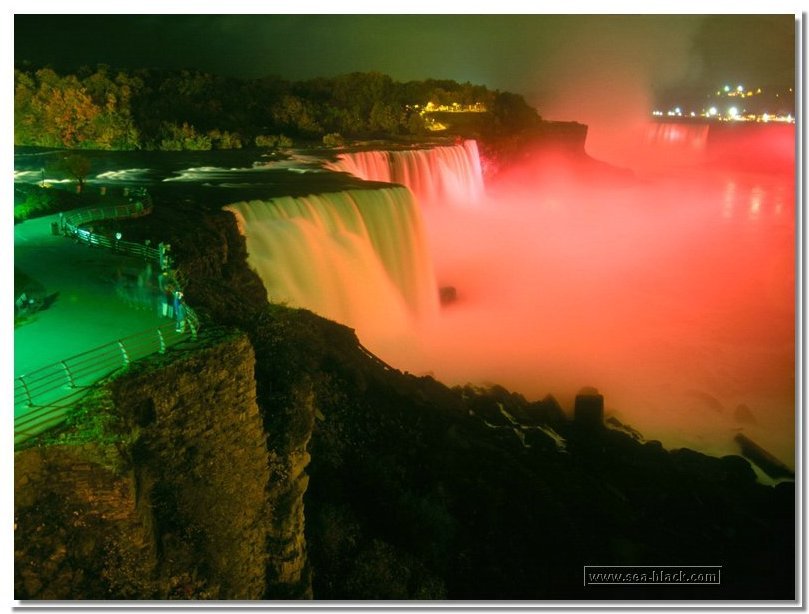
(34, 201)
(333, 139)
(224, 139)
(273, 140)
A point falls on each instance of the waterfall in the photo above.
(680, 136)
(366, 165)
(359, 257)
(441, 175)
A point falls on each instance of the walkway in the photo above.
(88, 311)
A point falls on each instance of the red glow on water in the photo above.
(673, 293)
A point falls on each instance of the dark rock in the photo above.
(738, 469)
(447, 295)
(588, 410)
(763, 459)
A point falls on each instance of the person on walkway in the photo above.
(179, 311)
(166, 295)
(147, 288)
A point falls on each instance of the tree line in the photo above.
(102, 108)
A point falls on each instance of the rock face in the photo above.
(79, 528)
(170, 501)
(588, 410)
(289, 576)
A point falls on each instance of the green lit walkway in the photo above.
(88, 311)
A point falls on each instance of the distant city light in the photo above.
(735, 113)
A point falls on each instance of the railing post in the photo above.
(27, 392)
(162, 341)
(123, 352)
(70, 381)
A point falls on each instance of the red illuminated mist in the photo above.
(670, 287)
(672, 293)
(604, 71)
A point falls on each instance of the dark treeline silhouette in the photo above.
(108, 109)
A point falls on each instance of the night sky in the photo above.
(568, 66)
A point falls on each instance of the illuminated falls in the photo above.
(692, 137)
(358, 257)
(441, 175)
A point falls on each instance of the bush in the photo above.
(32, 201)
(224, 139)
(183, 137)
(273, 140)
(333, 139)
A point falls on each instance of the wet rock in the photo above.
(447, 295)
(588, 410)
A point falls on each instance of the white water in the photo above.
(693, 137)
(441, 175)
(358, 257)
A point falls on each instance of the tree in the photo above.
(183, 137)
(297, 114)
(512, 113)
(78, 167)
(383, 119)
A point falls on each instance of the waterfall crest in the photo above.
(441, 175)
(359, 257)
(693, 137)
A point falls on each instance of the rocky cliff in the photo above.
(159, 488)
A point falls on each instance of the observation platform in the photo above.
(87, 309)
(92, 297)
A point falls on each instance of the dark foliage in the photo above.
(192, 110)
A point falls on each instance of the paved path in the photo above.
(87, 312)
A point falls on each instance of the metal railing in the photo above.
(43, 397)
(73, 222)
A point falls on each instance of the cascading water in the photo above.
(692, 137)
(441, 175)
(358, 257)
(674, 295)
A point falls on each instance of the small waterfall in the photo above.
(365, 165)
(359, 257)
(679, 136)
(441, 175)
